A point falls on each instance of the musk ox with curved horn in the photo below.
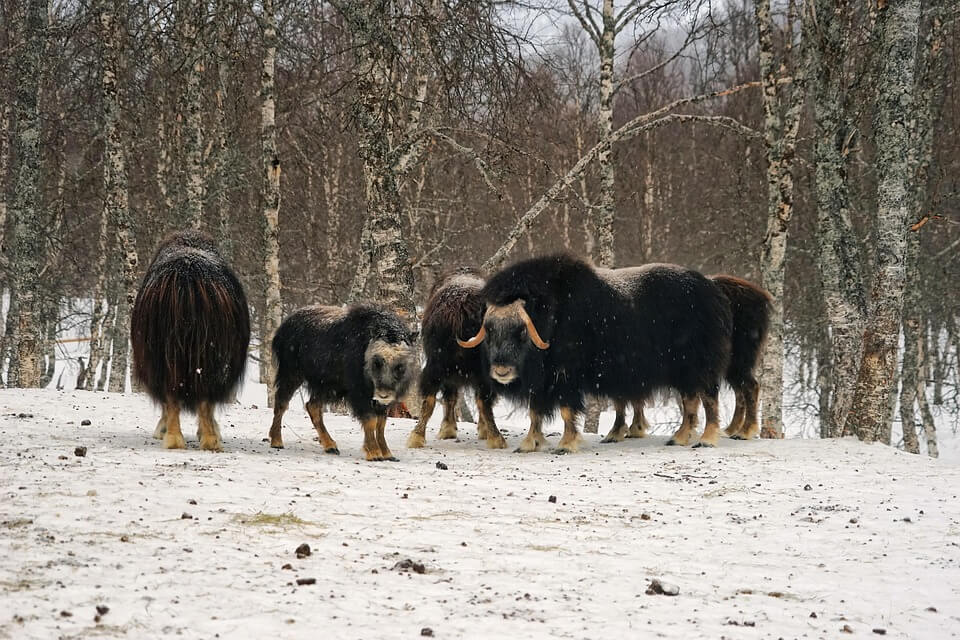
(189, 330)
(453, 309)
(750, 309)
(556, 328)
(363, 354)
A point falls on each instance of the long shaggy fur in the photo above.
(615, 333)
(750, 306)
(325, 347)
(190, 325)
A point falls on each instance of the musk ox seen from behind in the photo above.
(189, 330)
(454, 309)
(556, 329)
(363, 354)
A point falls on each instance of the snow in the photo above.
(765, 539)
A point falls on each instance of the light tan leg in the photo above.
(691, 408)
(639, 425)
(618, 430)
(751, 426)
(382, 440)
(571, 440)
(371, 447)
(315, 411)
(161, 424)
(207, 428)
(173, 438)
(711, 410)
(276, 437)
(739, 412)
(494, 438)
(448, 427)
(534, 438)
(418, 437)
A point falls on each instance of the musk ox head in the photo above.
(391, 367)
(508, 335)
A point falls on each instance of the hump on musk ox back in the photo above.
(190, 325)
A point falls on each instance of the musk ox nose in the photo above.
(384, 397)
(504, 374)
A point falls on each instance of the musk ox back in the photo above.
(556, 329)
(363, 354)
(454, 309)
(189, 329)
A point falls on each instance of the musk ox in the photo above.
(189, 330)
(750, 307)
(555, 329)
(363, 354)
(454, 309)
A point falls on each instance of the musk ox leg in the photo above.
(161, 429)
(494, 438)
(418, 437)
(639, 425)
(286, 387)
(207, 430)
(571, 440)
(448, 428)
(371, 447)
(534, 439)
(751, 426)
(315, 411)
(382, 440)
(691, 408)
(173, 438)
(619, 429)
(739, 413)
(711, 410)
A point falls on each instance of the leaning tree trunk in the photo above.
(29, 241)
(899, 24)
(839, 259)
(270, 187)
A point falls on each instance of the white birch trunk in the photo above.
(193, 120)
(273, 312)
(871, 410)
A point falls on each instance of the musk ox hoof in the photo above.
(672, 443)
(496, 443)
(737, 437)
(211, 444)
(416, 441)
(521, 449)
(704, 445)
(276, 444)
(609, 439)
(559, 451)
(390, 459)
(447, 433)
(171, 441)
(332, 450)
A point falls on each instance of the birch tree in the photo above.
(871, 409)
(783, 99)
(29, 241)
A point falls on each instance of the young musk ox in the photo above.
(189, 329)
(363, 354)
(750, 306)
(454, 309)
(555, 328)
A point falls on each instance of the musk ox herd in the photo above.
(546, 333)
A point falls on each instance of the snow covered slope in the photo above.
(795, 538)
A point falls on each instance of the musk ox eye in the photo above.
(398, 370)
(377, 363)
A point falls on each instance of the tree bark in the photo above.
(190, 21)
(839, 253)
(270, 189)
(899, 24)
(29, 240)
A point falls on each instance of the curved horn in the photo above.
(475, 340)
(532, 330)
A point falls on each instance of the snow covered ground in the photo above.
(764, 539)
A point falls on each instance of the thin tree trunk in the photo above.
(839, 259)
(4, 160)
(223, 150)
(190, 20)
(100, 378)
(9, 345)
(120, 339)
(273, 311)
(899, 24)
(29, 241)
(912, 340)
(606, 205)
(926, 416)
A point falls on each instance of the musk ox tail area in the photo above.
(190, 325)
(750, 306)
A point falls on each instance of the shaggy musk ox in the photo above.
(454, 309)
(750, 308)
(189, 330)
(362, 354)
(555, 329)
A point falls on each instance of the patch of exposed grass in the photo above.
(273, 520)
